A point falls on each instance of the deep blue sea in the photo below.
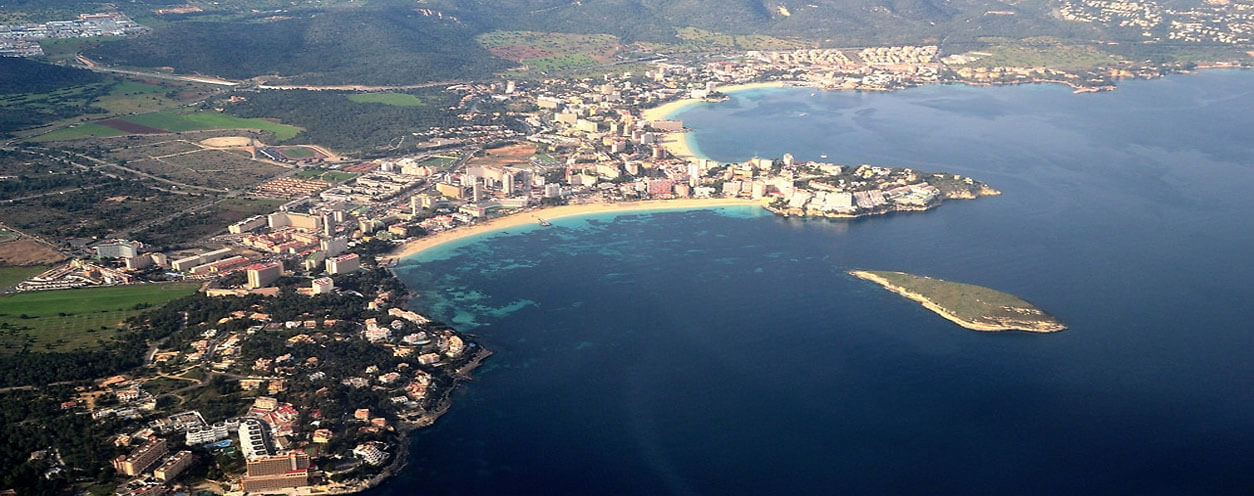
(728, 352)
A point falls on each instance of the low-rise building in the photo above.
(262, 274)
(273, 472)
(142, 458)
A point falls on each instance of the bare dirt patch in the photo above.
(511, 155)
(28, 252)
(228, 142)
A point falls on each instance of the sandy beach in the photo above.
(677, 143)
(532, 216)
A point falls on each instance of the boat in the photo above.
(543, 222)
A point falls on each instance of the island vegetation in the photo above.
(968, 305)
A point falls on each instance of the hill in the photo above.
(834, 22)
(386, 45)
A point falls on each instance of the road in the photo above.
(86, 63)
(179, 188)
(51, 193)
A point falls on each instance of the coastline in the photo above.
(532, 216)
(939, 310)
(678, 143)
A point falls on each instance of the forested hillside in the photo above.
(839, 22)
(378, 45)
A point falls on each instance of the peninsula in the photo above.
(968, 305)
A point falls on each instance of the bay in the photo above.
(727, 352)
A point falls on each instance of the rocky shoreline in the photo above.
(427, 419)
(984, 190)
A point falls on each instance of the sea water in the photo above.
(727, 351)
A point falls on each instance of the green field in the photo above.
(179, 121)
(77, 318)
(560, 63)
(299, 153)
(438, 162)
(393, 99)
(65, 49)
(75, 103)
(547, 159)
(80, 131)
(10, 276)
(1042, 52)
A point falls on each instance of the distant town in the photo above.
(22, 40)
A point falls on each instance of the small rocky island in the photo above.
(968, 305)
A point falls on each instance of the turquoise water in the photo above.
(727, 351)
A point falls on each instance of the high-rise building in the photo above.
(262, 274)
(343, 264)
(507, 184)
(333, 246)
(328, 224)
(552, 190)
(308, 222)
(120, 248)
(476, 191)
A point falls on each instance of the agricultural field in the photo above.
(1042, 52)
(190, 227)
(98, 146)
(393, 99)
(77, 132)
(130, 97)
(560, 63)
(210, 168)
(521, 46)
(696, 39)
(27, 252)
(37, 112)
(78, 318)
(176, 121)
(10, 276)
